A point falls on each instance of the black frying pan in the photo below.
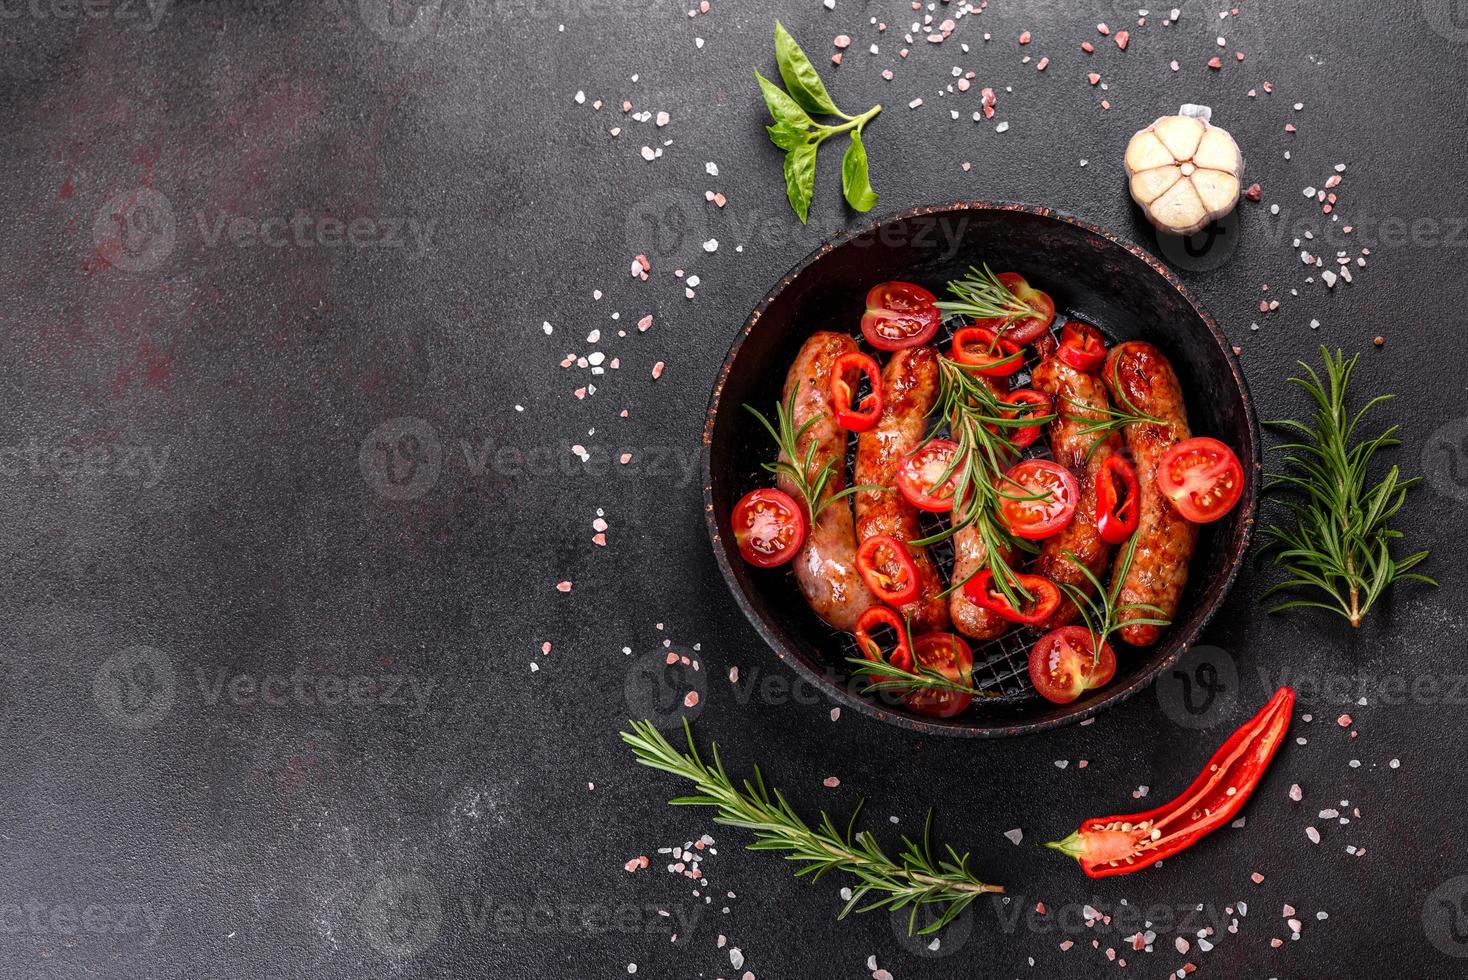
(1091, 274)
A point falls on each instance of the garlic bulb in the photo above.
(1184, 172)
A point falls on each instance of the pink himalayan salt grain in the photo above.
(546, 648)
(600, 540)
(1215, 63)
(1024, 38)
(563, 586)
(690, 700)
(626, 458)
(1087, 47)
(1344, 721)
(1257, 878)
(843, 41)
(645, 322)
(836, 58)
(1121, 39)
(1040, 66)
(1103, 30)
(657, 370)
(1093, 78)
(830, 782)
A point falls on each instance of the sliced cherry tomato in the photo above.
(769, 527)
(1044, 597)
(1063, 664)
(1081, 346)
(1026, 435)
(849, 415)
(1022, 330)
(887, 569)
(901, 655)
(1202, 477)
(992, 356)
(898, 315)
(920, 473)
(1056, 494)
(1118, 501)
(951, 657)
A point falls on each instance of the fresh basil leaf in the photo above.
(788, 137)
(783, 109)
(800, 75)
(800, 178)
(855, 183)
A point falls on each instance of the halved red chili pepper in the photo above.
(1044, 597)
(1118, 501)
(987, 352)
(856, 418)
(1118, 845)
(1081, 346)
(1026, 435)
(888, 569)
(901, 655)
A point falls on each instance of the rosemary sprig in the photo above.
(1100, 610)
(1340, 541)
(977, 423)
(915, 879)
(808, 479)
(982, 296)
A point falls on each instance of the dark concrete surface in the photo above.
(279, 550)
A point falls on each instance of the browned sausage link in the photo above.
(969, 555)
(825, 567)
(1080, 399)
(1165, 541)
(909, 389)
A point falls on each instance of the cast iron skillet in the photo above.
(1091, 274)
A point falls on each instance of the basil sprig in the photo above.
(795, 132)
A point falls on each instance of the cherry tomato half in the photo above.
(849, 415)
(1041, 405)
(1202, 477)
(920, 473)
(1081, 346)
(901, 655)
(1055, 491)
(1044, 597)
(898, 315)
(951, 657)
(1022, 330)
(1063, 664)
(888, 569)
(769, 527)
(990, 355)
(1118, 501)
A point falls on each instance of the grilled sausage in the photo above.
(825, 566)
(1138, 373)
(970, 554)
(909, 390)
(1080, 399)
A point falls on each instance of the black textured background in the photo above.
(275, 534)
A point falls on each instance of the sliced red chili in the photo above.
(1081, 346)
(888, 569)
(1118, 500)
(986, 352)
(901, 655)
(1029, 403)
(1044, 597)
(849, 415)
(1128, 842)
